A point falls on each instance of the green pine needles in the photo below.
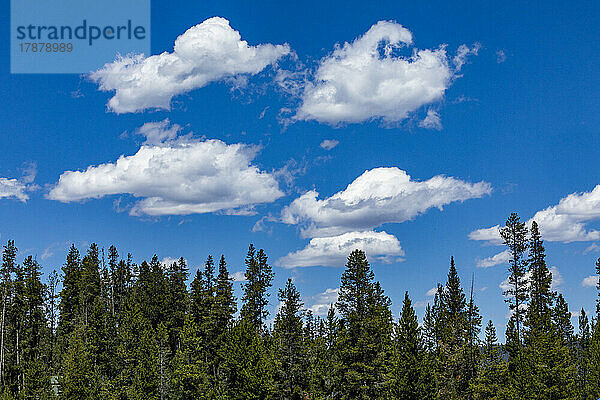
(107, 328)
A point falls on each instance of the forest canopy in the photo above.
(107, 328)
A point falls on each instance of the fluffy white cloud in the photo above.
(323, 301)
(329, 144)
(368, 78)
(431, 292)
(13, 188)
(564, 222)
(491, 235)
(205, 53)
(177, 177)
(378, 196)
(590, 281)
(500, 258)
(431, 121)
(333, 251)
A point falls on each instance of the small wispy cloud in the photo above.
(500, 56)
(329, 144)
(591, 248)
(431, 121)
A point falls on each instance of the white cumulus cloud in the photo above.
(378, 196)
(177, 177)
(500, 258)
(369, 79)
(13, 188)
(590, 281)
(333, 251)
(205, 53)
(565, 222)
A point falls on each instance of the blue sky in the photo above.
(507, 122)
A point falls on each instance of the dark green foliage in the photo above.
(259, 276)
(364, 337)
(70, 294)
(79, 379)
(410, 375)
(290, 347)
(176, 302)
(127, 331)
(225, 306)
(456, 330)
(248, 366)
(514, 235)
(592, 388)
(491, 382)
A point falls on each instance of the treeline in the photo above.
(117, 330)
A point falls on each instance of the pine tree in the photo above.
(52, 312)
(202, 305)
(90, 282)
(491, 378)
(70, 297)
(225, 306)
(322, 357)
(79, 379)
(542, 298)
(454, 369)
(16, 318)
(259, 276)
(410, 377)
(163, 359)
(113, 262)
(364, 338)
(150, 291)
(290, 347)
(562, 320)
(122, 283)
(514, 237)
(593, 381)
(35, 343)
(516, 382)
(8, 266)
(176, 302)
(190, 378)
(582, 351)
(472, 342)
(545, 357)
(247, 364)
(221, 317)
(137, 352)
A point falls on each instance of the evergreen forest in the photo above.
(103, 327)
